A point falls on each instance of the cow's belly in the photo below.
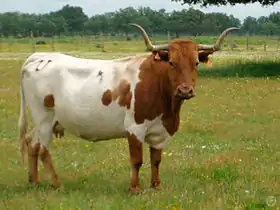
(92, 122)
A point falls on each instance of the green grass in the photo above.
(226, 154)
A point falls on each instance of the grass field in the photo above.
(226, 154)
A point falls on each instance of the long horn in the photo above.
(147, 40)
(217, 45)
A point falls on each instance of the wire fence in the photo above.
(119, 44)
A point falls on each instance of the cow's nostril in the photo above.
(179, 91)
(191, 91)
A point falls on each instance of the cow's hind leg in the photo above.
(32, 145)
(40, 143)
(45, 140)
(47, 161)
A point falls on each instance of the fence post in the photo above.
(76, 42)
(32, 41)
(247, 42)
(168, 35)
(52, 43)
(10, 44)
(231, 42)
(277, 45)
(89, 43)
(264, 46)
(103, 46)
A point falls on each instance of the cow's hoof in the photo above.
(32, 181)
(33, 184)
(55, 184)
(135, 191)
(157, 187)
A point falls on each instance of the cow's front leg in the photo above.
(136, 159)
(155, 157)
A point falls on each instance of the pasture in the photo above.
(226, 154)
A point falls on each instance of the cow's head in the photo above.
(183, 57)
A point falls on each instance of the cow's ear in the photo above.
(203, 57)
(161, 55)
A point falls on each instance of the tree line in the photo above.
(71, 20)
(224, 2)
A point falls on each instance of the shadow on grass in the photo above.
(88, 184)
(239, 69)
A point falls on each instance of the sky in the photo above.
(93, 7)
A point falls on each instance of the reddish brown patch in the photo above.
(154, 96)
(107, 98)
(122, 93)
(49, 101)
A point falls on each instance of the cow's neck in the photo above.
(172, 105)
(154, 96)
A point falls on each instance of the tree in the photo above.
(71, 20)
(50, 24)
(100, 23)
(74, 17)
(250, 25)
(125, 16)
(194, 19)
(155, 20)
(224, 2)
(269, 28)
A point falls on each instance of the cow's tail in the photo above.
(22, 123)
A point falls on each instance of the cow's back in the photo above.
(91, 97)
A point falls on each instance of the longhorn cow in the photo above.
(136, 97)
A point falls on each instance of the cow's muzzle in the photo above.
(184, 92)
